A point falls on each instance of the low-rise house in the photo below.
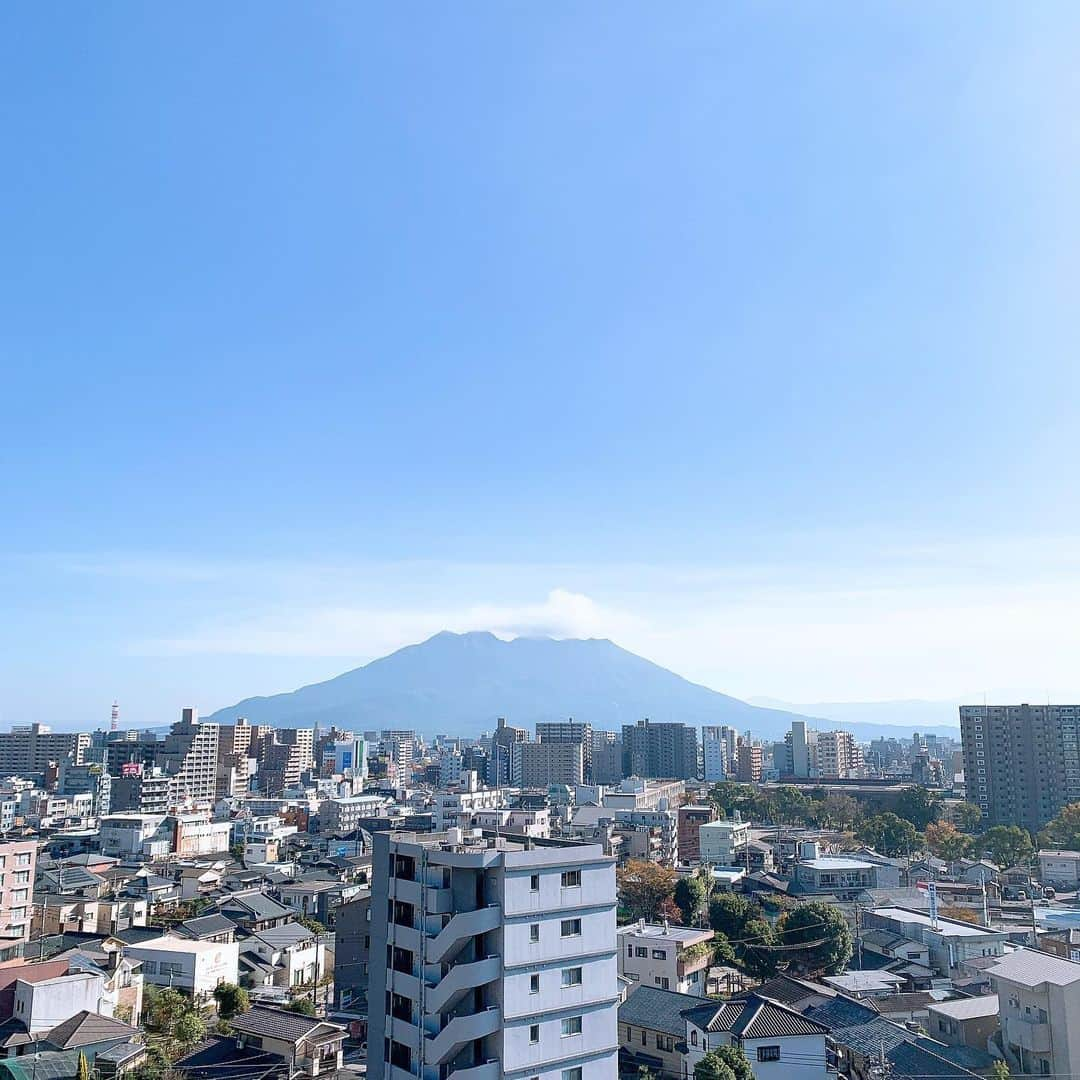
(309, 1047)
(63, 914)
(964, 1021)
(213, 927)
(1064, 943)
(669, 957)
(307, 897)
(194, 967)
(780, 1043)
(122, 994)
(835, 875)
(38, 1005)
(89, 1032)
(949, 942)
(652, 1031)
(253, 910)
(293, 952)
(197, 882)
(865, 984)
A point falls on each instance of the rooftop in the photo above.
(864, 981)
(967, 1008)
(946, 927)
(167, 943)
(281, 1024)
(836, 862)
(1034, 968)
(668, 933)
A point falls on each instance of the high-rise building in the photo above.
(502, 758)
(188, 755)
(838, 756)
(516, 974)
(236, 743)
(538, 764)
(750, 762)
(1021, 762)
(33, 747)
(606, 757)
(19, 860)
(569, 731)
(801, 745)
(712, 742)
(659, 750)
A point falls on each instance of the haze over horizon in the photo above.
(747, 346)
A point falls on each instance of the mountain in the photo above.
(928, 717)
(460, 683)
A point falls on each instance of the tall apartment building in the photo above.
(713, 756)
(838, 756)
(538, 764)
(801, 748)
(236, 747)
(284, 754)
(1021, 762)
(400, 747)
(33, 747)
(140, 790)
(501, 761)
(659, 750)
(188, 755)
(606, 757)
(496, 959)
(750, 762)
(570, 731)
(18, 862)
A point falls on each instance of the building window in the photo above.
(572, 1074)
(639, 951)
(534, 932)
(571, 976)
(665, 1042)
(534, 1033)
(534, 883)
(693, 1038)
(571, 928)
(571, 879)
(534, 984)
(659, 954)
(662, 982)
(629, 1033)
(768, 1053)
(571, 1026)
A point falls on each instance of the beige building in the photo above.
(538, 764)
(664, 956)
(18, 861)
(33, 747)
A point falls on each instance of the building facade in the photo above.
(659, 750)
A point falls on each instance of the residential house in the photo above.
(670, 957)
(309, 1047)
(39, 1005)
(197, 882)
(291, 952)
(253, 910)
(949, 943)
(721, 843)
(1064, 943)
(964, 1021)
(195, 967)
(213, 927)
(652, 1031)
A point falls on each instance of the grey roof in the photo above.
(916, 1062)
(1033, 968)
(280, 937)
(87, 1027)
(788, 990)
(72, 877)
(754, 1017)
(121, 1052)
(256, 904)
(220, 1058)
(13, 1033)
(657, 1010)
(967, 1008)
(205, 926)
(280, 1024)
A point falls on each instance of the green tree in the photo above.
(787, 805)
(966, 816)
(889, 834)
(823, 931)
(729, 913)
(919, 805)
(231, 999)
(734, 1057)
(1063, 832)
(690, 896)
(723, 953)
(1005, 845)
(188, 1030)
(1000, 1071)
(945, 841)
(728, 797)
(841, 811)
(754, 949)
(162, 1008)
(301, 1005)
(313, 925)
(643, 886)
(712, 1067)
(645, 1073)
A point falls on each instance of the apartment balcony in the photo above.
(687, 965)
(1032, 1035)
(443, 994)
(462, 1030)
(460, 929)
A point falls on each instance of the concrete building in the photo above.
(1021, 762)
(951, 943)
(1038, 999)
(194, 967)
(196, 836)
(569, 731)
(636, 793)
(42, 1005)
(94, 779)
(713, 756)
(500, 959)
(1061, 869)
(236, 749)
(352, 953)
(836, 875)
(139, 790)
(136, 834)
(838, 756)
(801, 751)
(750, 762)
(31, 748)
(650, 834)
(538, 764)
(722, 842)
(455, 809)
(343, 815)
(963, 1022)
(606, 758)
(502, 752)
(670, 957)
(659, 750)
(691, 818)
(18, 866)
(188, 756)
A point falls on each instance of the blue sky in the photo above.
(746, 338)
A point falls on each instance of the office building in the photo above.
(31, 748)
(539, 764)
(75, 779)
(569, 731)
(1021, 762)
(659, 750)
(500, 959)
(713, 755)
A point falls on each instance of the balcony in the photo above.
(443, 994)
(459, 929)
(462, 1030)
(1033, 1035)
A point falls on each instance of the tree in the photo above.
(1063, 832)
(919, 805)
(311, 924)
(839, 810)
(162, 1008)
(712, 1067)
(643, 885)
(966, 816)
(1000, 1071)
(301, 1005)
(723, 953)
(1005, 845)
(231, 999)
(824, 933)
(734, 1057)
(690, 895)
(728, 797)
(754, 950)
(945, 841)
(188, 1030)
(889, 834)
(669, 910)
(645, 1073)
(729, 913)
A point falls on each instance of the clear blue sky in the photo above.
(746, 336)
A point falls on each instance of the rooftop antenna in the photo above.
(115, 716)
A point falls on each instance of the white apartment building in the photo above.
(500, 956)
(135, 834)
(343, 815)
(665, 956)
(651, 834)
(838, 756)
(455, 809)
(1039, 1011)
(197, 836)
(195, 967)
(635, 793)
(722, 843)
(712, 743)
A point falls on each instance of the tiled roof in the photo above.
(279, 1024)
(658, 1010)
(72, 877)
(917, 1063)
(754, 1017)
(790, 991)
(87, 1027)
(257, 904)
(1031, 968)
(206, 926)
(219, 1058)
(280, 937)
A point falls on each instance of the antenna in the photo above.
(115, 715)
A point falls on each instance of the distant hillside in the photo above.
(460, 683)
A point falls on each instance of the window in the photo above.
(665, 1042)
(1044, 1066)
(534, 984)
(629, 950)
(571, 976)
(659, 954)
(534, 932)
(572, 1074)
(662, 982)
(571, 879)
(571, 928)
(534, 1033)
(633, 976)
(571, 1026)
(534, 883)
(768, 1053)
(23, 859)
(639, 951)
(693, 1038)
(149, 967)
(19, 896)
(629, 1033)
(22, 877)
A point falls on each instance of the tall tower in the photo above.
(115, 715)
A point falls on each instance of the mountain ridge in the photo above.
(461, 683)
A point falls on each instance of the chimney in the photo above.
(665, 926)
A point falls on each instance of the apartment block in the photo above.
(499, 959)
(570, 731)
(33, 747)
(18, 862)
(188, 756)
(659, 750)
(1021, 762)
(691, 818)
(750, 763)
(539, 764)
(713, 755)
